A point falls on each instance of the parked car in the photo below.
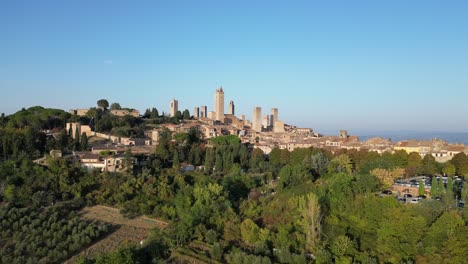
(388, 192)
(414, 201)
(407, 195)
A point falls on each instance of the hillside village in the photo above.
(264, 133)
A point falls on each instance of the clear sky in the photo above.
(359, 65)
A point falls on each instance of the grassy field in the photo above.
(123, 231)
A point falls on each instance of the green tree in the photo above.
(319, 163)
(393, 243)
(162, 149)
(175, 160)
(447, 225)
(256, 159)
(448, 169)
(309, 209)
(178, 115)
(249, 231)
(460, 161)
(209, 160)
(434, 188)
(186, 114)
(217, 252)
(115, 106)
(84, 142)
(449, 190)
(415, 164)
(342, 163)
(422, 189)
(103, 103)
(429, 165)
(341, 245)
(275, 157)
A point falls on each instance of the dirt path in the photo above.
(127, 231)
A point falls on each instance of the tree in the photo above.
(115, 106)
(460, 161)
(175, 160)
(429, 165)
(77, 139)
(256, 159)
(319, 163)
(249, 231)
(415, 164)
(434, 188)
(447, 225)
(103, 103)
(178, 115)
(448, 169)
(162, 149)
(449, 191)
(341, 245)
(84, 142)
(387, 177)
(217, 252)
(422, 189)
(186, 114)
(341, 163)
(309, 209)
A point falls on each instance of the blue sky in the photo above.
(359, 65)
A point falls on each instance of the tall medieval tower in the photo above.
(219, 105)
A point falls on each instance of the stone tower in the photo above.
(174, 108)
(231, 109)
(219, 105)
(204, 111)
(344, 134)
(274, 114)
(257, 119)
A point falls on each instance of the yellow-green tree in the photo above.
(387, 177)
(309, 209)
(449, 169)
(342, 163)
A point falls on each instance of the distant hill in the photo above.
(451, 137)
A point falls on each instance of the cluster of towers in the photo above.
(259, 124)
(269, 122)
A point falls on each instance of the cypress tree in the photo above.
(175, 160)
(84, 141)
(449, 190)
(422, 190)
(434, 187)
(77, 139)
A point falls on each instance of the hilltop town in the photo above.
(264, 132)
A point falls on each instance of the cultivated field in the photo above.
(124, 231)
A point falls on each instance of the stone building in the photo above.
(257, 119)
(174, 108)
(231, 109)
(219, 105)
(204, 112)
